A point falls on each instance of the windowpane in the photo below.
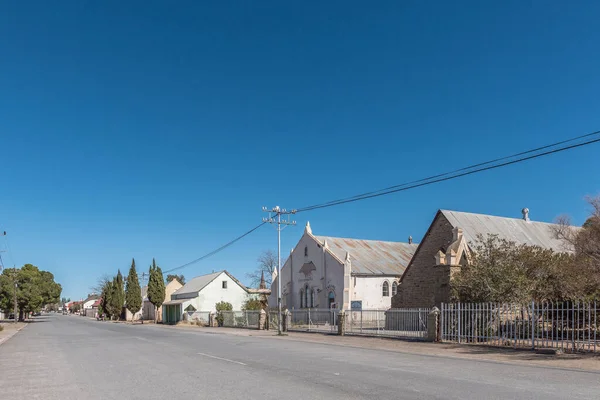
(394, 288)
(386, 289)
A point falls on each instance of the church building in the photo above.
(330, 272)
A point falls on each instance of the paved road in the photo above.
(63, 357)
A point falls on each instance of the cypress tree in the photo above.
(133, 292)
(156, 287)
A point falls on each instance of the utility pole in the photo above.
(278, 212)
(15, 281)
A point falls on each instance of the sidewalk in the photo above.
(584, 361)
(10, 329)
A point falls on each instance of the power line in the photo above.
(460, 169)
(469, 170)
(454, 174)
(212, 253)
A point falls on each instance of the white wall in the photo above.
(370, 291)
(214, 293)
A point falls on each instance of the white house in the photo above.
(332, 272)
(202, 293)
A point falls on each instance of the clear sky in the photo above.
(159, 129)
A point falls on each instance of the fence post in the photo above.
(432, 324)
(459, 323)
(341, 322)
(532, 325)
(262, 319)
(287, 319)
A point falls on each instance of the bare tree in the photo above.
(101, 284)
(267, 264)
(584, 242)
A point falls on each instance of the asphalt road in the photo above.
(64, 357)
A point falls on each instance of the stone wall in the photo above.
(424, 284)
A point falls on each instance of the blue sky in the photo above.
(150, 129)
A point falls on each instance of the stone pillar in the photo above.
(341, 323)
(262, 319)
(287, 320)
(212, 320)
(433, 321)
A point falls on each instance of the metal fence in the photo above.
(569, 326)
(313, 320)
(404, 323)
(199, 317)
(240, 319)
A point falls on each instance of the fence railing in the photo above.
(313, 320)
(569, 326)
(240, 319)
(405, 323)
(201, 317)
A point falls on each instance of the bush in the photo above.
(220, 307)
(252, 305)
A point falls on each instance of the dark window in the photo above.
(305, 251)
(224, 285)
(394, 288)
(386, 289)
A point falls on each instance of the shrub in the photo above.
(220, 307)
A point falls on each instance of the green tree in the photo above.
(220, 307)
(180, 278)
(156, 287)
(252, 305)
(133, 293)
(106, 301)
(34, 289)
(503, 271)
(117, 297)
(75, 308)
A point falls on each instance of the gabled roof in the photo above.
(200, 282)
(371, 257)
(518, 230)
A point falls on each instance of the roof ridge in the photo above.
(497, 216)
(364, 240)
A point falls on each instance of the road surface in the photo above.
(66, 357)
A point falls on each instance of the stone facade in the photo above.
(425, 284)
(427, 281)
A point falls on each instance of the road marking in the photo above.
(222, 359)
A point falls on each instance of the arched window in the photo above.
(305, 251)
(301, 299)
(331, 299)
(394, 288)
(306, 297)
(312, 298)
(386, 289)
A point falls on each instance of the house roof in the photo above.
(371, 257)
(173, 302)
(518, 230)
(200, 282)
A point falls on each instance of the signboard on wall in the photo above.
(356, 305)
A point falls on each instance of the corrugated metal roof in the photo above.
(372, 257)
(518, 230)
(197, 284)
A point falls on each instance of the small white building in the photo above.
(202, 293)
(331, 272)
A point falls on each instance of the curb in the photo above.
(3, 340)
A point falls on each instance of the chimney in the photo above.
(456, 234)
(525, 213)
(410, 240)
